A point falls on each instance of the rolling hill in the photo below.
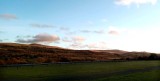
(13, 53)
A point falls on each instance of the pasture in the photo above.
(91, 71)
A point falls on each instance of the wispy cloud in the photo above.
(77, 46)
(64, 29)
(40, 38)
(78, 39)
(71, 33)
(97, 45)
(137, 2)
(27, 36)
(41, 25)
(90, 46)
(99, 31)
(8, 16)
(113, 32)
(85, 31)
(75, 42)
(93, 31)
(65, 39)
(74, 39)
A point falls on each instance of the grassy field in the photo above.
(153, 75)
(96, 71)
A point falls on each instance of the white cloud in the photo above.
(137, 2)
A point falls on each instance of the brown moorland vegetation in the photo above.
(13, 53)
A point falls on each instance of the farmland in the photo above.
(91, 71)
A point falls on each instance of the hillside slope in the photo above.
(13, 53)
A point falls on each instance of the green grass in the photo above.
(102, 71)
(153, 75)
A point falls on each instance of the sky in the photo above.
(131, 25)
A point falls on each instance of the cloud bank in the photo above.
(40, 38)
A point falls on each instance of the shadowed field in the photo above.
(95, 71)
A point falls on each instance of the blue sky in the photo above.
(131, 25)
